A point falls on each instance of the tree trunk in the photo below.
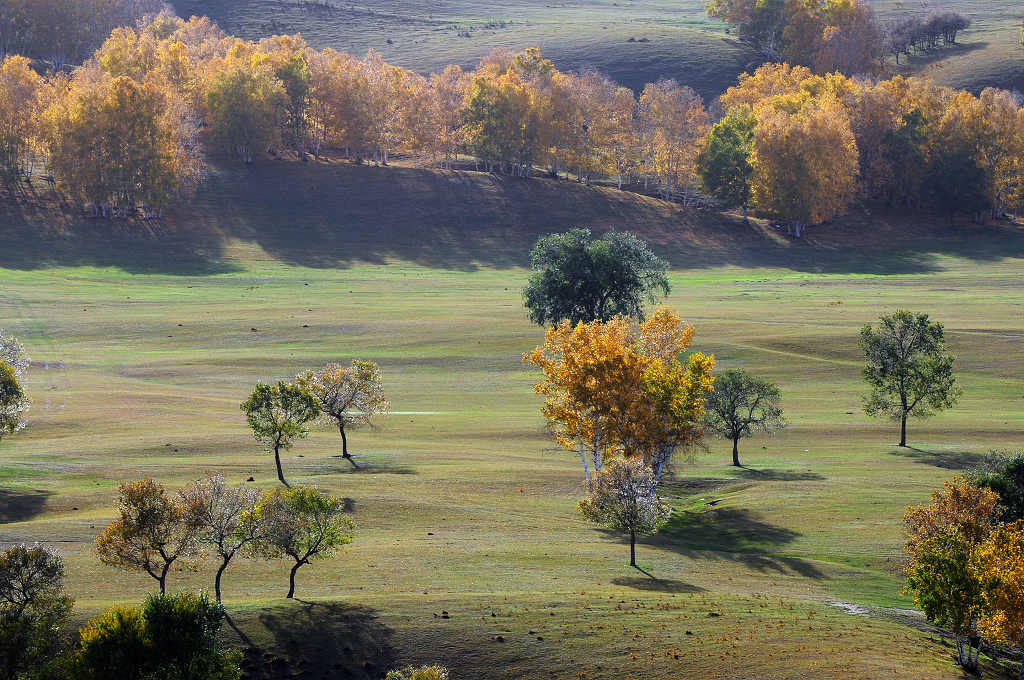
(903, 429)
(216, 581)
(632, 548)
(586, 469)
(746, 220)
(736, 452)
(163, 578)
(277, 459)
(291, 580)
(344, 446)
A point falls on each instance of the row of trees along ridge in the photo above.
(132, 128)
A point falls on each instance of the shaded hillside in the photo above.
(335, 214)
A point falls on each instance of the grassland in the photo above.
(146, 338)
(672, 38)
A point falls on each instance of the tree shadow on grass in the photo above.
(777, 475)
(734, 534)
(652, 583)
(38, 236)
(947, 460)
(317, 640)
(20, 505)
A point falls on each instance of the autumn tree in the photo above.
(113, 143)
(617, 388)
(449, 91)
(13, 402)
(949, 591)
(723, 164)
(349, 397)
(580, 278)
(20, 88)
(829, 35)
(286, 56)
(908, 370)
(671, 404)
(960, 506)
(740, 405)
(151, 533)
(673, 121)
(304, 524)
(500, 121)
(999, 566)
(805, 162)
(245, 102)
(278, 415)
(624, 499)
(942, 538)
(34, 609)
(224, 518)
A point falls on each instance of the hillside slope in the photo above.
(335, 214)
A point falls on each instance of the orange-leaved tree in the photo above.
(960, 505)
(618, 388)
(942, 538)
(150, 534)
(999, 565)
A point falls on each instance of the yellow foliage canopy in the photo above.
(620, 387)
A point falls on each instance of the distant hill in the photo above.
(632, 41)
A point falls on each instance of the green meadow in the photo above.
(469, 549)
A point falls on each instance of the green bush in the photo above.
(173, 637)
(421, 673)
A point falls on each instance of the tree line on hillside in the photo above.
(834, 35)
(133, 126)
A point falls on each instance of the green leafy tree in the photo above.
(33, 611)
(740, 405)
(114, 644)
(582, 279)
(1003, 473)
(304, 524)
(723, 164)
(905, 148)
(624, 498)
(907, 368)
(13, 402)
(174, 637)
(956, 183)
(278, 415)
(949, 591)
(183, 635)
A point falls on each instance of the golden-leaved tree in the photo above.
(20, 89)
(617, 388)
(117, 143)
(805, 162)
